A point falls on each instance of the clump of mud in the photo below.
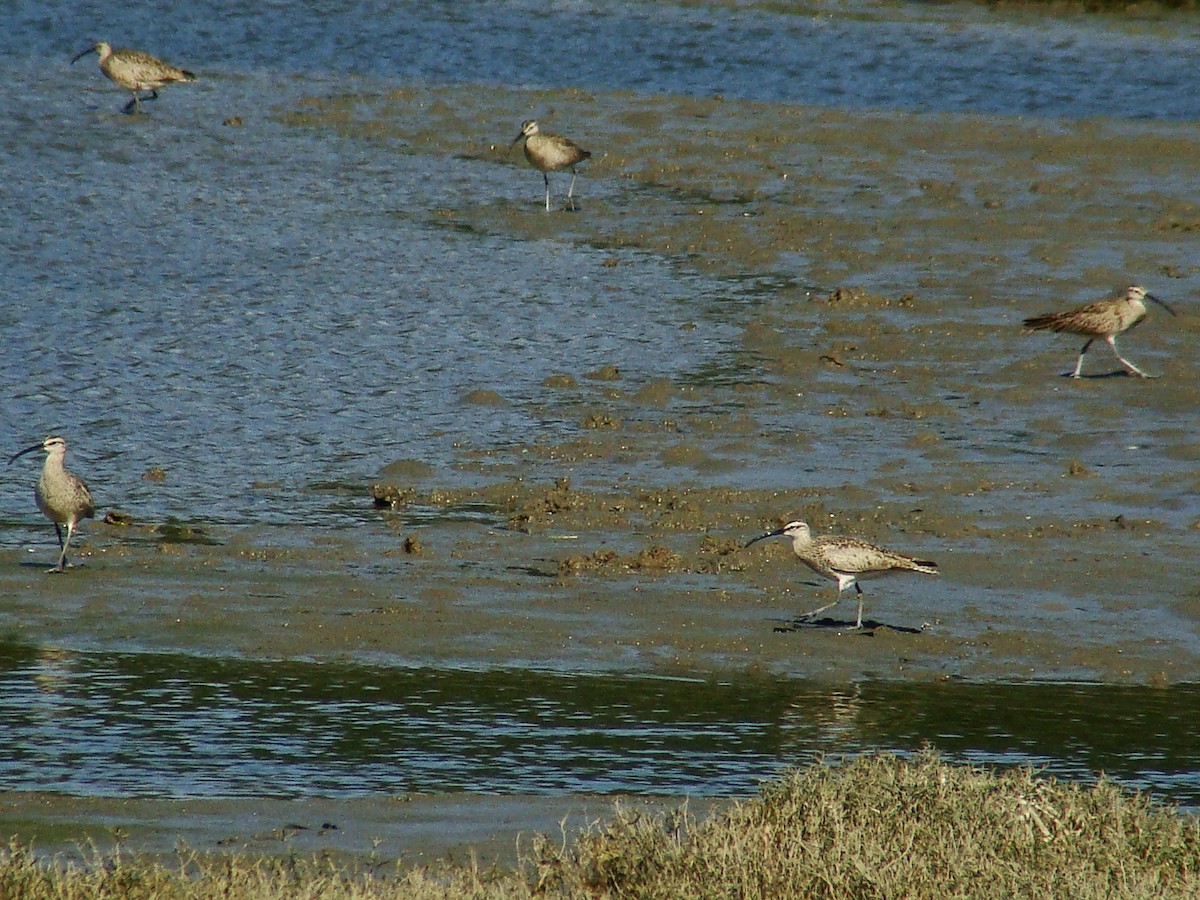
(391, 496)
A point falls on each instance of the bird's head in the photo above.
(791, 530)
(53, 445)
(100, 47)
(1136, 294)
(528, 129)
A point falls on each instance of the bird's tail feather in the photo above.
(1050, 321)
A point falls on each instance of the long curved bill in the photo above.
(770, 534)
(12, 459)
(1160, 303)
(82, 53)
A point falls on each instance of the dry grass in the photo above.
(882, 827)
(878, 827)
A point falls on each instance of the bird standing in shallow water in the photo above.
(846, 560)
(551, 153)
(62, 497)
(1103, 319)
(135, 71)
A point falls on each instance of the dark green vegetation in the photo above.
(878, 827)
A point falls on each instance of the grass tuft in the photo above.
(885, 827)
(877, 827)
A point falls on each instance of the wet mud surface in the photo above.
(418, 829)
(881, 386)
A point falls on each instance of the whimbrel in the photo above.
(551, 153)
(135, 71)
(846, 560)
(62, 497)
(1103, 319)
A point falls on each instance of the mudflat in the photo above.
(881, 386)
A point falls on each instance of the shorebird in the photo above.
(135, 71)
(846, 560)
(551, 153)
(1103, 319)
(62, 497)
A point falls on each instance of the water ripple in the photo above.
(165, 725)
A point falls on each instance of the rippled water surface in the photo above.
(124, 725)
(291, 310)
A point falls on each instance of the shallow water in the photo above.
(270, 305)
(173, 727)
(273, 312)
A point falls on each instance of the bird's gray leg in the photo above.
(1079, 364)
(64, 544)
(571, 191)
(134, 105)
(858, 588)
(817, 612)
(546, 178)
(58, 531)
(1129, 367)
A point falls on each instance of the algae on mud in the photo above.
(881, 387)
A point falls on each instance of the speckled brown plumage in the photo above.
(551, 153)
(1104, 319)
(63, 498)
(136, 71)
(846, 560)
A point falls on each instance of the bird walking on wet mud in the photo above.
(846, 560)
(62, 497)
(135, 71)
(551, 153)
(1103, 319)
